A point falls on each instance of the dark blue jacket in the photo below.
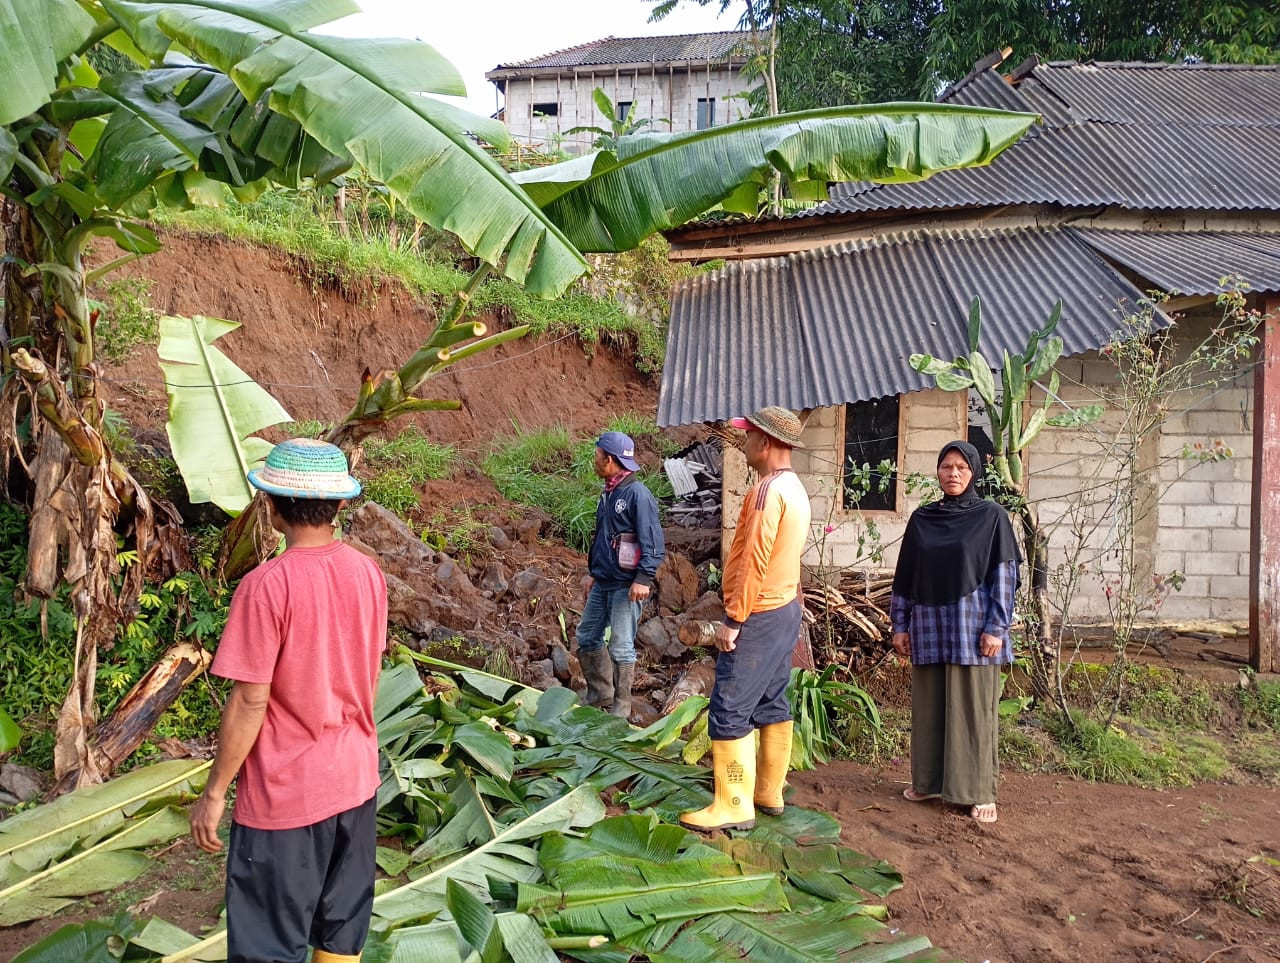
(632, 508)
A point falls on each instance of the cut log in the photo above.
(697, 679)
(136, 715)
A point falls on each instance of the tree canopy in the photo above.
(833, 52)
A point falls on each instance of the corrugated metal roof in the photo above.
(676, 48)
(1192, 263)
(985, 89)
(1176, 95)
(1133, 166)
(838, 325)
(1139, 136)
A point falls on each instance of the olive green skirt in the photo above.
(955, 712)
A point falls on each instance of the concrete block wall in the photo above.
(1199, 525)
(1205, 506)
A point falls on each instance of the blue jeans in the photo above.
(614, 610)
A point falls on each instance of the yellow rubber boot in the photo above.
(771, 767)
(734, 764)
(324, 956)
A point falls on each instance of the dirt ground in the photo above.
(1072, 871)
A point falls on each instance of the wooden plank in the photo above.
(1264, 534)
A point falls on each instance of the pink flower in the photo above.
(828, 529)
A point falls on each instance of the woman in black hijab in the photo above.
(953, 595)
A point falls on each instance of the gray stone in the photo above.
(499, 539)
(529, 583)
(406, 607)
(494, 578)
(540, 675)
(656, 634)
(19, 781)
(708, 608)
(560, 661)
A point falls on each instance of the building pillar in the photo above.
(1264, 530)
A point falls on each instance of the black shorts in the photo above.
(288, 889)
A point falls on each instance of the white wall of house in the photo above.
(1193, 518)
(659, 93)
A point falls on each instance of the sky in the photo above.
(477, 35)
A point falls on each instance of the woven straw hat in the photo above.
(778, 423)
(306, 468)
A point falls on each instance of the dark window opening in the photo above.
(871, 440)
(979, 422)
(547, 110)
(706, 112)
(622, 110)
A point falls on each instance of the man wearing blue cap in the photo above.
(303, 644)
(625, 553)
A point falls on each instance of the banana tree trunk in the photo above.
(136, 715)
(77, 489)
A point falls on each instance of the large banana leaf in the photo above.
(610, 201)
(110, 863)
(214, 409)
(629, 873)
(587, 746)
(36, 38)
(31, 840)
(10, 734)
(502, 857)
(365, 99)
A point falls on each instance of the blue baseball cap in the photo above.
(621, 447)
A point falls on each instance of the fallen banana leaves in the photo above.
(496, 792)
(89, 841)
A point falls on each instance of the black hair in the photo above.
(306, 511)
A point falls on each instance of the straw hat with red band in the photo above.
(778, 423)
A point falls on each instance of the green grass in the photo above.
(550, 470)
(126, 319)
(1260, 703)
(289, 221)
(553, 471)
(395, 468)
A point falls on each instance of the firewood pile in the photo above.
(849, 621)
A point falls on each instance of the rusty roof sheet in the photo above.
(676, 48)
(837, 325)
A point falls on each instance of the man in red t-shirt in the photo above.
(303, 643)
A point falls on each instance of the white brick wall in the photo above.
(657, 96)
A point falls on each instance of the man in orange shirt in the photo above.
(762, 621)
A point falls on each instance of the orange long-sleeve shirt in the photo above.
(763, 570)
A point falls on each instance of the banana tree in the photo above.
(228, 96)
(1015, 423)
